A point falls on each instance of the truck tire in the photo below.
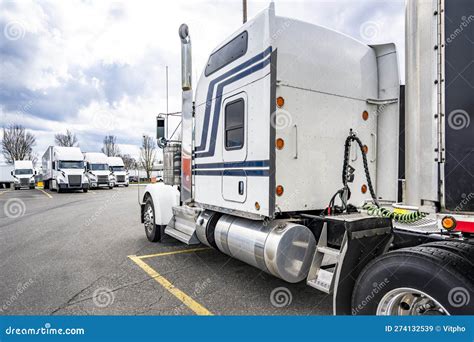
(420, 280)
(464, 250)
(32, 187)
(152, 231)
(85, 190)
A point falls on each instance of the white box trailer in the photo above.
(6, 177)
(97, 170)
(288, 161)
(23, 174)
(117, 168)
(63, 169)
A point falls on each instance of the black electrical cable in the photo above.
(345, 192)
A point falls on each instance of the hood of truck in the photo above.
(73, 172)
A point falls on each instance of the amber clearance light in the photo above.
(280, 101)
(448, 222)
(280, 143)
(279, 190)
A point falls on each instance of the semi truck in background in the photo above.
(97, 170)
(23, 174)
(63, 169)
(289, 161)
(117, 169)
(6, 176)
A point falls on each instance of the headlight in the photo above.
(16, 180)
(32, 180)
(92, 177)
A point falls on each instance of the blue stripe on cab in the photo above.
(217, 106)
(243, 173)
(251, 163)
(210, 91)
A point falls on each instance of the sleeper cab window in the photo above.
(234, 124)
(233, 50)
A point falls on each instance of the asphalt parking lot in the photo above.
(87, 254)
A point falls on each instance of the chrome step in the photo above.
(187, 239)
(183, 224)
(319, 278)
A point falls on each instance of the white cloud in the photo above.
(98, 67)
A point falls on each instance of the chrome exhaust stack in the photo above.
(186, 58)
(186, 115)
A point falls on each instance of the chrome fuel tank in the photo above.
(281, 248)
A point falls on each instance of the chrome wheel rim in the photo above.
(409, 302)
(149, 219)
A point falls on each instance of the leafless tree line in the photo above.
(17, 144)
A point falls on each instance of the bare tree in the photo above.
(128, 161)
(147, 154)
(17, 144)
(68, 139)
(110, 148)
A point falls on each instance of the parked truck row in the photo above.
(67, 168)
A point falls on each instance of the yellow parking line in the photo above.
(183, 297)
(44, 192)
(172, 252)
(2, 192)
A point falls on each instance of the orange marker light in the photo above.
(365, 149)
(448, 222)
(280, 101)
(279, 190)
(279, 143)
(363, 189)
(257, 205)
(365, 115)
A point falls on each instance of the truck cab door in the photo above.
(234, 151)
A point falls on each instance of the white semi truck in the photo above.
(289, 161)
(118, 171)
(63, 169)
(6, 176)
(97, 170)
(23, 174)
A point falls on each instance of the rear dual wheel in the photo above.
(432, 279)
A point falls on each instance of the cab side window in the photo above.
(234, 125)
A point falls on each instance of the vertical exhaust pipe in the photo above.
(186, 115)
(186, 61)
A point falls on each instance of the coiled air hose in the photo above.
(411, 217)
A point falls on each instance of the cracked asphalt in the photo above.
(69, 255)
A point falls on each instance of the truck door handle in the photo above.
(241, 187)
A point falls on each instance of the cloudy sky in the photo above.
(98, 67)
